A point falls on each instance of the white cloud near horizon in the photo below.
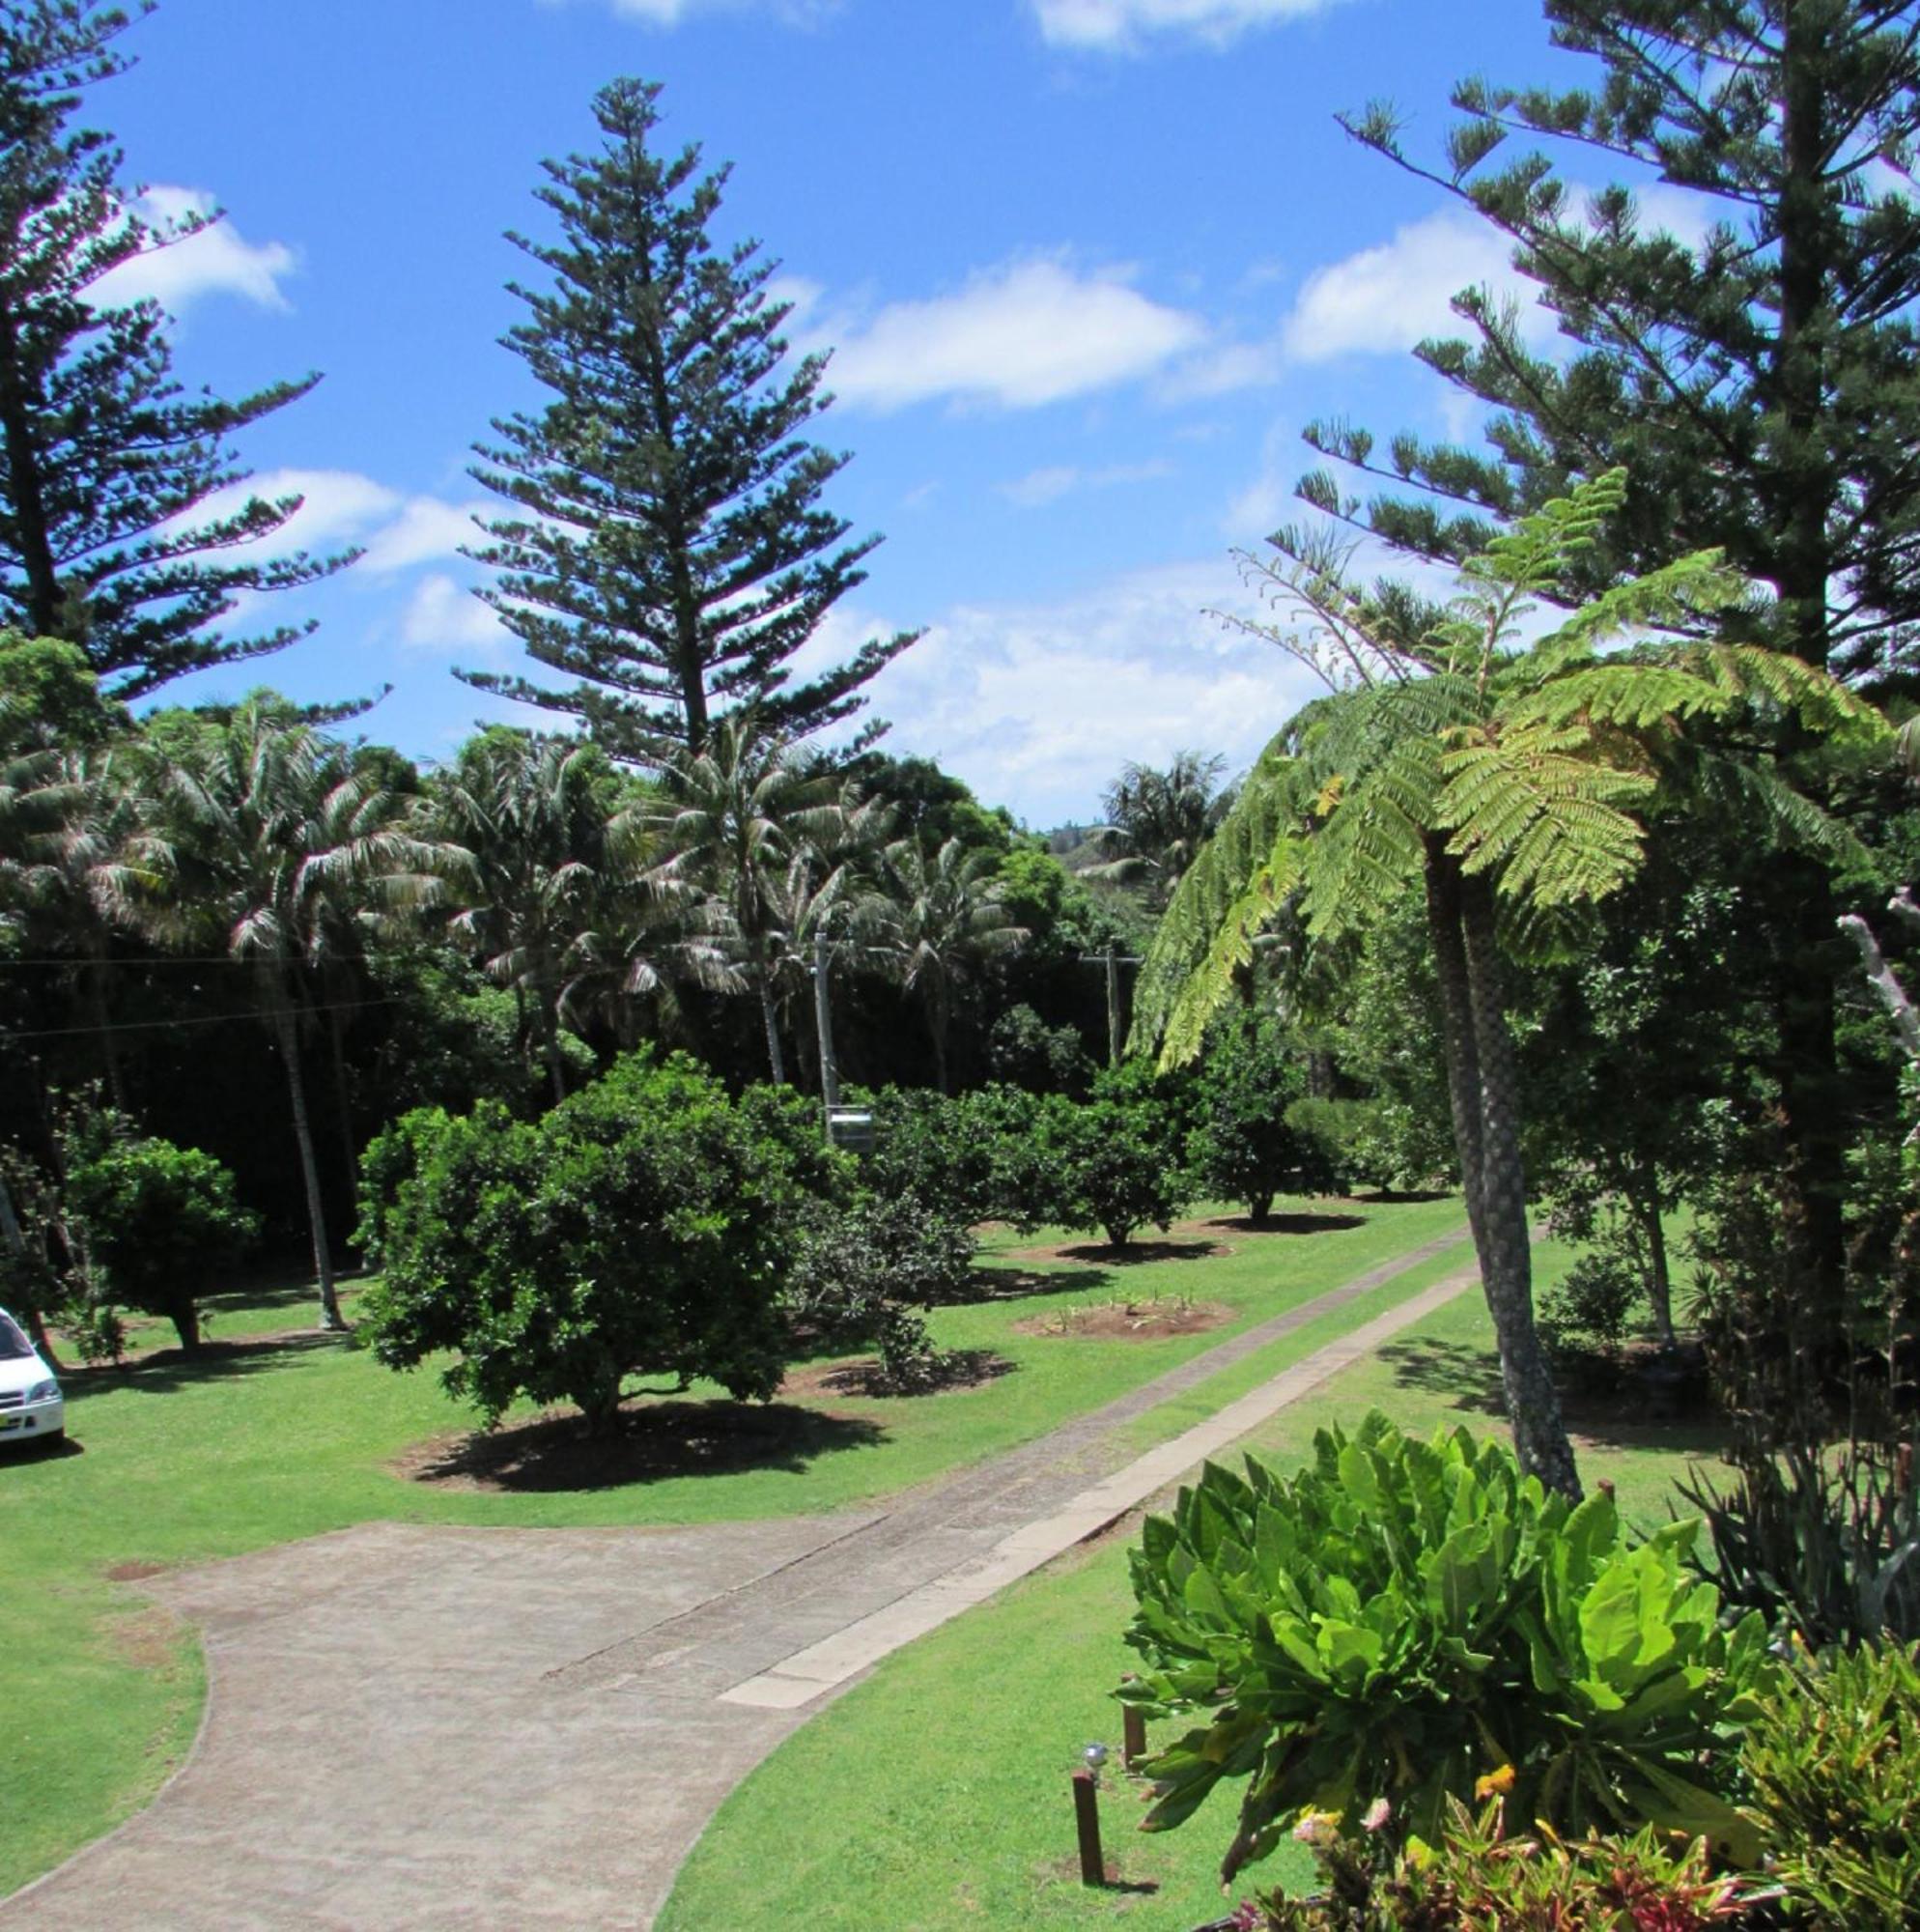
(1038, 705)
(216, 261)
(1029, 332)
(426, 528)
(1124, 25)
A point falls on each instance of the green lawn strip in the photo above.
(184, 1461)
(947, 1769)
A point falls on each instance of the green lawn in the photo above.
(946, 1771)
(178, 1462)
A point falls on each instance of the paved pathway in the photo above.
(424, 1726)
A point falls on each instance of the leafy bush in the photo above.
(1588, 1311)
(1337, 1144)
(1481, 1878)
(1400, 1618)
(160, 1221)
(1823, 1546)
(958, 1157)
(1242, 1148)
(862, 1273)
(1833, 1772)
(1024, 1051)
(1110, 1164)
(643, 1225)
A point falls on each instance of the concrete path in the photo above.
(423, 1726)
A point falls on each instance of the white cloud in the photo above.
(216, 261)
(1120, 25)
(1384, 299)
(338, 507)
(1021, 335)
(1040, 487)
(425, 529)
(443, 615)
(1037, 707)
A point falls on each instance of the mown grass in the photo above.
(176, 1462)
(934, 1795)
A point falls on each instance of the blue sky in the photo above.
(1087, 267)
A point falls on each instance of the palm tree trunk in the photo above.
(549, 1037)
(1505, 1250)
(822, 1022)
(287, 1038)
(350, 1158)
(936, 1019)
(771, 1019)
(101, 1016)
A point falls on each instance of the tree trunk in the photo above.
(936, 1020)
(1259, 1208)
(350, 1158)
(95, 974)
(27, 498)
(1533, 1402)
(770, 1018)
(185, 1319)
(287, 1038)
(1646, 1204)
(823, 1021)
(1457, 1021)
(549, 1037)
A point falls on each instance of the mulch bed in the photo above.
(1128, 1321)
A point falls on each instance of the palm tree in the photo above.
(67, 822)
(533, 906)
(945, 918)
(275, 844)
(1505, 781)
(1158, 820)
(732, 820)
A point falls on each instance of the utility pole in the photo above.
(1113, 960)
(822, 1022)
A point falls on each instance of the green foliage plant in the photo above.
(962, 1158)
(863, 1271)
(1832, 1770)
(1824, 1544)
(1400, 1619)
(158, 1222)
(642, 1227)
(1110, 1164)
(1244, 1147)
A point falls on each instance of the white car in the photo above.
(30, 1407)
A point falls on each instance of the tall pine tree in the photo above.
(668, 551)
(1760, 387)
(104, 458)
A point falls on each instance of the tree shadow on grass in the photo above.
(170, 1369)
(654, 1443)
(1017, 1284)
(1285, 1224)
(1627, 1415)
(1136, 1253)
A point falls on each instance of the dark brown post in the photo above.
(1086, 1821)
(1133, 1732)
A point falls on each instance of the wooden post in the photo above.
(1087, 1821)
(1133, 1730)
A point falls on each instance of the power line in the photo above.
(209, 1019)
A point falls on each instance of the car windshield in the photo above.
(14, 1346)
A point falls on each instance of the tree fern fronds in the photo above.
(1757, 798)
(1273, 800)
(1210, 984)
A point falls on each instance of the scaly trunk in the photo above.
(1456, 1022)
(1533, 1402)
(770, 1016)
(287, 1038)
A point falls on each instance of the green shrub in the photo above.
(1480, 1877)
(860, 1274)
(1110, 1164)
(1588, 1311)
(1824, 1546)
(160, 1221)
(1401, 1618)
(1242, 1147)
(958, 1157)
(1832, 1767)
(642, 1227)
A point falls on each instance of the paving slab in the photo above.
(427, 1726)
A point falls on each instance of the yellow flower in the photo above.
(1496, 1784)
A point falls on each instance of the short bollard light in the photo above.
(1086, 1815)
